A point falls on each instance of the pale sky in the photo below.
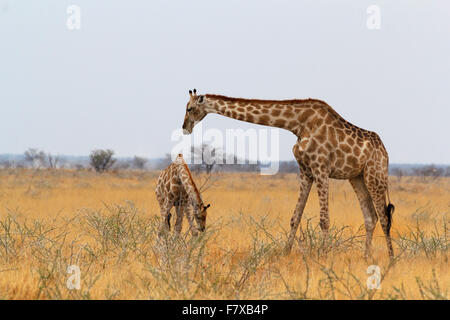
(121, 81)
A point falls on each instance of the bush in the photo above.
(139, 163)
(101, 160)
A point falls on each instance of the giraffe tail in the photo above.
(168, 219)
(389, 211)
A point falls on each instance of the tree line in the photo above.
(204, 160)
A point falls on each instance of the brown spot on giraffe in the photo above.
(264, 119)
(312, 146)
(328, 146)
(292, 124)
(322, 134)
(352, 161)
(288, 114)
(305, 115)
(276, 112)
(332, 157)
(345, 148)
(279, 123)
(322, 150)
(351, 142)
(340, 135)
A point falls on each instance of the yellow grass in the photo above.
(107, 225)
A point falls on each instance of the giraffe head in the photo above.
(195, 111)
(200, 216)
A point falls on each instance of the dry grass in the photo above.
(107, 225)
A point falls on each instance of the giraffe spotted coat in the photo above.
(176, 188)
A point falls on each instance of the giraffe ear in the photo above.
(201, 99)
(207, 206)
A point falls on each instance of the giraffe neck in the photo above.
(189, 185)
(286, 114)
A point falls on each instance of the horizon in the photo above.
(163, 157)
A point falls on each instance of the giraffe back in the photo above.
(169, 186)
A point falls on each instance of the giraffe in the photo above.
(176, 187)
(327, 147)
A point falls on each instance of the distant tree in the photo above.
(433, 171)
(235, 164)
(6, 164)
(139, 162)
(399, 173)
(78, 166)
(52, 161)
(429, 171)
(206, 155)
(21, 165)
(101, 160)
(35, 158)
(121, 165)
(289, 167)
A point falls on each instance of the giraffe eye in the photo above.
(188, 109)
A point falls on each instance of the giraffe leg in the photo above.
(305, 187)
(190, 219)
(368, 210)
(377, 188)
(381, 209)
(165, 215)
(179, 222)
(322, 190)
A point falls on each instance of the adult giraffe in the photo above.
(328, 146)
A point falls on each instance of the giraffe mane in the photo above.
(244, 100)
(197, 193)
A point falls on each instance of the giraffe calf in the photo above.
(176, 188)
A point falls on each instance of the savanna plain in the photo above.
(107, 226)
